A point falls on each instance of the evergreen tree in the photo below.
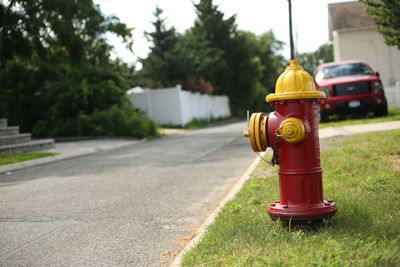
(271, 64)
(214, 57)
(211, 39)
(163, 66)
(386, 14)
(234, 62)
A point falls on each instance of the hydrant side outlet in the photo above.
(257, 132)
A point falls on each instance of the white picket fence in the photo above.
(173, 106)
(393, 94)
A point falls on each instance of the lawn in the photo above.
(18, 157)
(361, 174)
(394, 114)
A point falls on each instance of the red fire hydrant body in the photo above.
(292, 132)
(300, 173)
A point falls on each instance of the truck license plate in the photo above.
(354, 104)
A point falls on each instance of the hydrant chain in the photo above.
(275, 155)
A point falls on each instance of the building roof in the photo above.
(348, 15)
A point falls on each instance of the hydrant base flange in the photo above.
(314, 212)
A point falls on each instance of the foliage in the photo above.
(386, 14)
(360, 173)
(116, 121)
(310, 61)
(270, 66)
(198, 85)
(162, 67)
(212, 35)
(18, 157)
(236, 63)
(62, 71)
(213, 57)
(50, 29)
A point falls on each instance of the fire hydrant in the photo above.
(292, 133)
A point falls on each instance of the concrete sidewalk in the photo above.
(357, 129)
(72, 149)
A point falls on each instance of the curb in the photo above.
(211, 218)
(47, 160)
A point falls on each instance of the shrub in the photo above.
(60, 101)
(115, 121)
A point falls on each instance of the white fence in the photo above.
(172, 106)
(393, 95)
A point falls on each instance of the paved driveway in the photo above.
(129, 206)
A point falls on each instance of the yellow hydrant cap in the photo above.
(294, 83)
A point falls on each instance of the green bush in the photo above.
(115, 121)
(60, 101)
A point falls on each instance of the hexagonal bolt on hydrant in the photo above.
(292, 132)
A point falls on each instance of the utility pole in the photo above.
(291, 31)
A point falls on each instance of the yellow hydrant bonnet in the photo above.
(294, 83)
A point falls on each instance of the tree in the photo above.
(265, 51)
(236, 63)
(310, 61)
(163, 66)
(74, 28)
(202, 60)
(221, 55)
(386, 14)
(215, 57)
(57, 70)
(206, 45)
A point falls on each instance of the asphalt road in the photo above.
(129, 206)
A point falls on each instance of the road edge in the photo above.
(60, 157)
(211, 218)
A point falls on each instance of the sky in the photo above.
(310, 20)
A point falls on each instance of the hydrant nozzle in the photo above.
(257, 132)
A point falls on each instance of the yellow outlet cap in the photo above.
(292, 130)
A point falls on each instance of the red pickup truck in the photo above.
(350, 87)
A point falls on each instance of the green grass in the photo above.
(361, 174)
(394, 114)
(18, 157)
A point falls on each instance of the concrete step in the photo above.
(3, 123)
(34, 145)
(10, 130)
(14, 139)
